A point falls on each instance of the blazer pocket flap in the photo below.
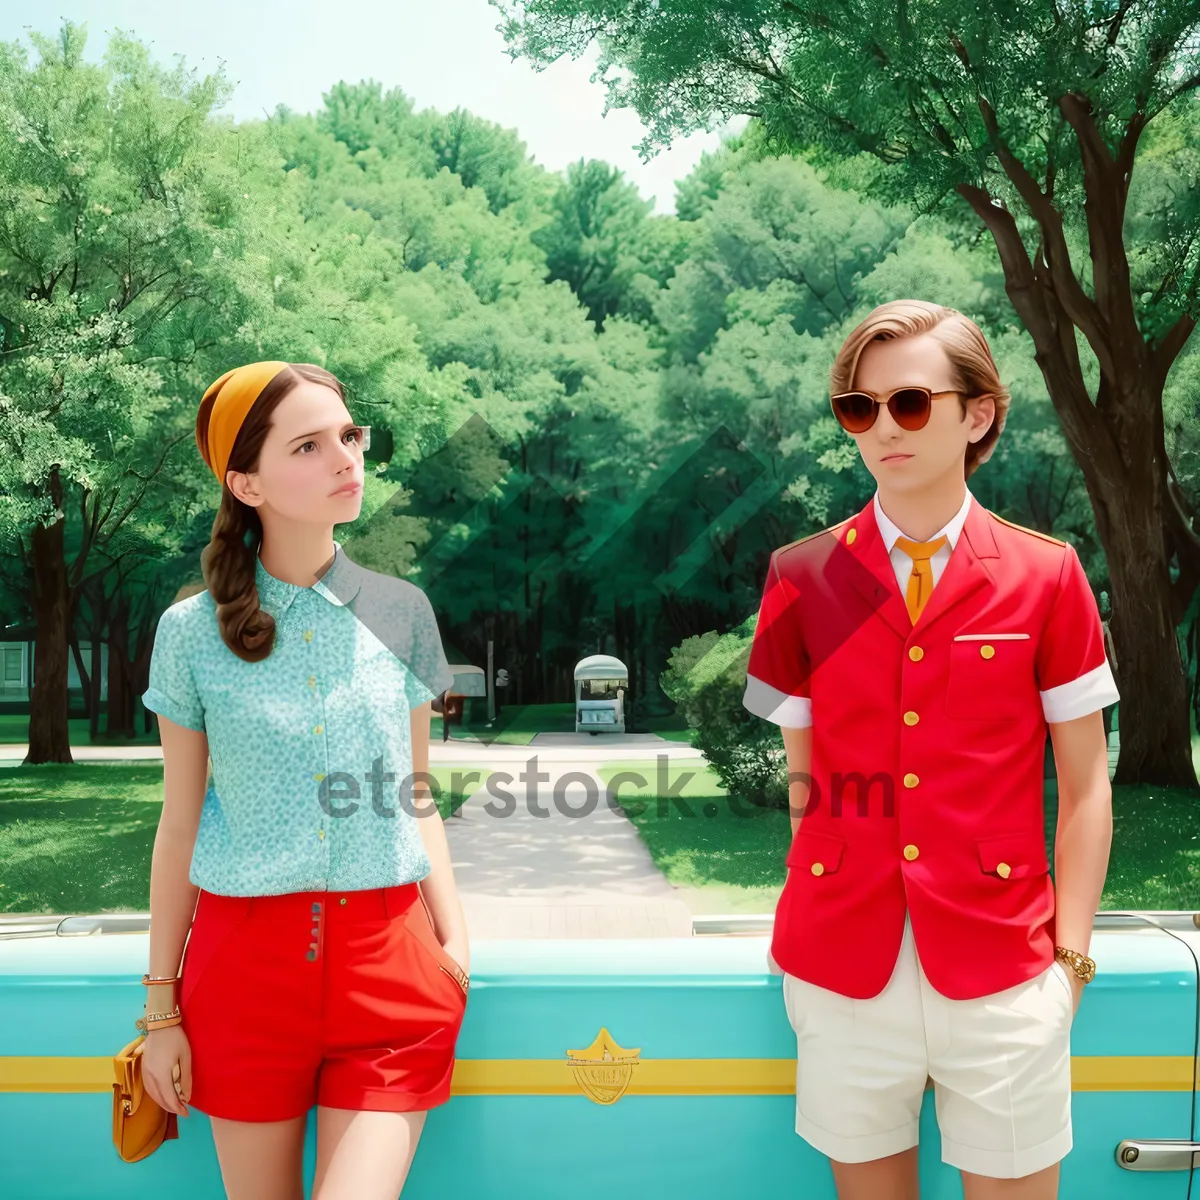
(817, 852)
(1012, 855)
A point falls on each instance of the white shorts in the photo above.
(1000, 1065)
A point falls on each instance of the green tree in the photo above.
(1035, 114)
(115, 204)
(602, 242)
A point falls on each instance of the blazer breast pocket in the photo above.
(991, 676)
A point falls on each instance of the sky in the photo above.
(442, 53)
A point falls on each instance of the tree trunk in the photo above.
(1118, 443)
(49, 736)
(120, 700)
(1155, 727)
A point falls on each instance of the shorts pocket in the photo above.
(421, 927)
(1060, 971)
(216, 922)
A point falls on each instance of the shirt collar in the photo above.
(338, 584)
(890, 531)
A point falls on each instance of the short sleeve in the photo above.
(778, 670)
(427, 673)
(1074, 676)
(172, 691)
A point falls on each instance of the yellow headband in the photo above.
(236, 392)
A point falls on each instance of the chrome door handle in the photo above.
(1158, 1154)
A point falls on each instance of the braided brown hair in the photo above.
(228, 561)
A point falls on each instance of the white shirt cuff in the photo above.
(1093, 690)
(792, 712)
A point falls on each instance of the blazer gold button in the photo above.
(916, 653)
(987, 651)
(911, 852)
(1003, 869)
(910, 780)
(318, 729)
(818, 868)
(851, 534)
(911, 718)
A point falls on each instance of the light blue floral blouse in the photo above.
(311, 749)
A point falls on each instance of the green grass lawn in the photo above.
(78, 837)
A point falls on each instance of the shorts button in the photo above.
(342, 900)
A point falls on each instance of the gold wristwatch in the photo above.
(1083, 966)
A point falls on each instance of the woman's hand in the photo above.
(459, 949)
(166, 1059)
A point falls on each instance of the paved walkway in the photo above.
(555, 860)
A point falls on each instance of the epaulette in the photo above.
(809, 537)
(1034, 532)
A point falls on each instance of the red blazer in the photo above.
(927, 751)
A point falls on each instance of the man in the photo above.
(913, 656)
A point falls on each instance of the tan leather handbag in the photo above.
(140, 1125)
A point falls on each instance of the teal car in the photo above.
(647, 1067)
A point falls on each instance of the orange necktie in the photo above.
(920, 582)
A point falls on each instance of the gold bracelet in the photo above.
(1083, 966)
(149, 979)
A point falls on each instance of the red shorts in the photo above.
(339, 998)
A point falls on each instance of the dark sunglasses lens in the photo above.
(910, 407)
(855, 411)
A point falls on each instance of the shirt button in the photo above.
(911, 852)
(318, 729)
(312, 681)
(308, 635)
(910, 780)
(911, 718)
(319, 776)
(916, 653)
(321, 834)
(987, 651)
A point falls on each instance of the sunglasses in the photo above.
(909, 406)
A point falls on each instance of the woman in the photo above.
(327, 956)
